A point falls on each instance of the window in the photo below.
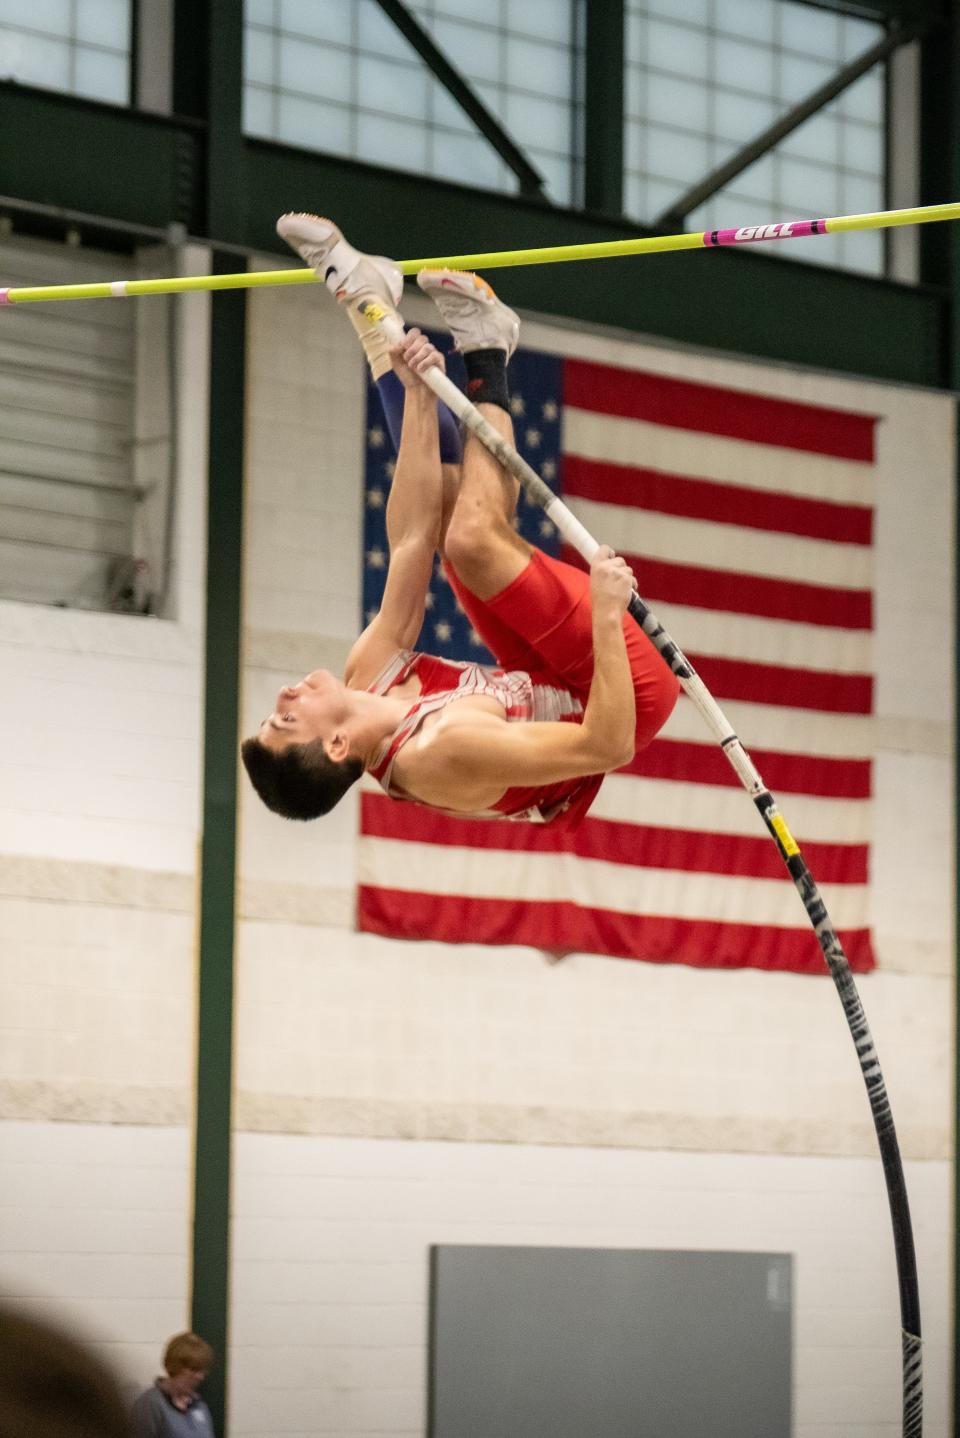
(340, 77)
(704, 77)
(80, 46)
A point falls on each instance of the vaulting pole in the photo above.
(498, 259)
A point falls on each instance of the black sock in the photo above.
(487, 377)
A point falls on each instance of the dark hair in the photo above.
(53, 1386)
(300, 781)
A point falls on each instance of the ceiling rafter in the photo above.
(460, 90)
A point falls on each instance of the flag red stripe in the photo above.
(694, 763)
(568, 928)
(652, 489)
(828, 693)
(721, 589)
(640, 845)
(710, 409)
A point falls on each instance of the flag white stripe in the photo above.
(675, 804)
(726, 546)
(785, 731)
(593, 883)
(769, 467)
(766, 641)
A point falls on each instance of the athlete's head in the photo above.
(299, 761)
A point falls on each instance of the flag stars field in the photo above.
(536, 381)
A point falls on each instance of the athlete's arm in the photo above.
(413, 523)
(611, 713)
(470, 758)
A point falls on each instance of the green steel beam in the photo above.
(81, 155)
(225, 192)
(191, 40)
(603, 107)
(212, 86)
(213, 1139)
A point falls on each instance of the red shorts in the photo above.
(543, 621)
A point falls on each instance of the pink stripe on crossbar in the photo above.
(5, 297)
(786, 230)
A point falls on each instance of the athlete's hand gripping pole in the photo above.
(581, 540)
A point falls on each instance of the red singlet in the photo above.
(525, 696)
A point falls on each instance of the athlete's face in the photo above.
(309, 710)
(185, 1383)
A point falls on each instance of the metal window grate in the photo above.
(78, 46)
(340, 77)
(706, 76)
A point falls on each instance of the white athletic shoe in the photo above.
(475, 317)
(346, 272)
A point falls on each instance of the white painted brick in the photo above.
(124, 972)
(783, 1048)
(86, 1232)
(401, 1406)
(94, 1233)
(99, 1276)
(313, 1410)
(95, 1145)
(830, 1213)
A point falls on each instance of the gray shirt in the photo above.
(156, 1416)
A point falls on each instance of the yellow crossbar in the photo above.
(497, 259)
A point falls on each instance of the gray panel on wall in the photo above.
(614, 1343)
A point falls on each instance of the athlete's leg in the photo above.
(481, 544)
(390, 393)
(542, 622)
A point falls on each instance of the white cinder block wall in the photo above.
(99, 810)
(391, 1096)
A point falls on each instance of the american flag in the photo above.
(748, 520)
